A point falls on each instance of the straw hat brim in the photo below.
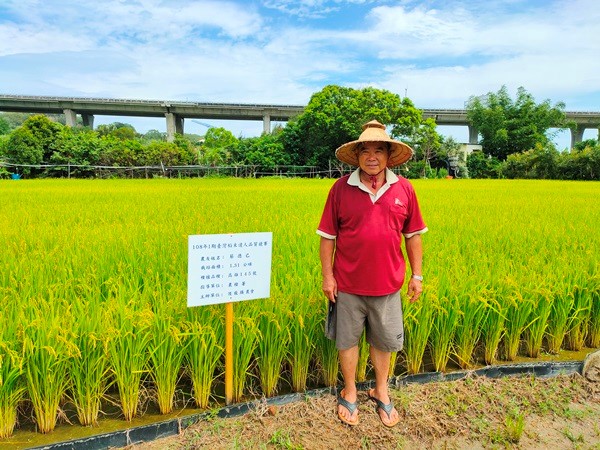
(399, 152)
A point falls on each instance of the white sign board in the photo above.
(226, 268)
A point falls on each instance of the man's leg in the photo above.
(381, 364)
(348, 364)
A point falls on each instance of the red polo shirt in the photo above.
(368, 258)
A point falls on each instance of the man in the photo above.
(361, 229)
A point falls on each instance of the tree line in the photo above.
(513, 135)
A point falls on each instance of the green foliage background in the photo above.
(514, 139)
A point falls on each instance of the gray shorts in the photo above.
(381, 317)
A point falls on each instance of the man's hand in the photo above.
(415, 287)
(330, 287)
(326, 251)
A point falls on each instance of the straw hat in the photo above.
(374, 131)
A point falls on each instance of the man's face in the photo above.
(373, 157)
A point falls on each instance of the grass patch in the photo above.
(497, 413)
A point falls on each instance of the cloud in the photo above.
(442, 56)
(399, 32)
(282, 51)
(451, 86)
(19, 39)
(316, 9)
(135, 21)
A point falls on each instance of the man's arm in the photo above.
(414, 251)
(326, 249)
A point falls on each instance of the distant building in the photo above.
(466, 149)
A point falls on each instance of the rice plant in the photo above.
(205, 340)
(12, 382)
(393, 361)
(327, 355)
(303, 328)
(540, 312)
(468, 329)
(363, 358)
(272, 347)
(116, 244)
(245, 340)
(166, 348)
(558, 319)
(445, 319)
(12, 386)
(579, 317)
(493, 327)
(417, 328)
(128, 352)
(594, 325)
(47, 349)
(89, 369)
(518, 313)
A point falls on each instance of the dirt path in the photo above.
(527, 413)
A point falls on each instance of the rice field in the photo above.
(93, 289)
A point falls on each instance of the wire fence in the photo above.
(18, 171)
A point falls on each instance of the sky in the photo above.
(436, 52)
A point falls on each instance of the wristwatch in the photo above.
(417, 277)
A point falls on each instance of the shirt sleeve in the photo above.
(328, 226)
(409, 235)
(414, 223)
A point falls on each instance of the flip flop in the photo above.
(387, 408)
(351, 407)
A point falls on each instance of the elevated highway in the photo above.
(175, 112)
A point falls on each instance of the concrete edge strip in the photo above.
(147, 433)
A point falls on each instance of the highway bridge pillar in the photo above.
(88, 120)
(266, 124)
(70, 117)
(473, 135)
(174, 125)
(577, 134)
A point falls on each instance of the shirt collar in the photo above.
(354, 179)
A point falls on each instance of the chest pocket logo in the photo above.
(398, 215)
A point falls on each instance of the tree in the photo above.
(293, 145)
(481, 165)
(162, 153)
(4, 126)
(407, 121)
(15, 119)
(77, 147)
(265, 151)
(3, 144)
(426, 142)
(335, 115)
(582, 163)
(538, 163)
(585, 144)
(154, 135)
(116, 152)
(24, 148)
(218, 146)
(508, 126)
(45, 132)
(188, 150)
(118, 130)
